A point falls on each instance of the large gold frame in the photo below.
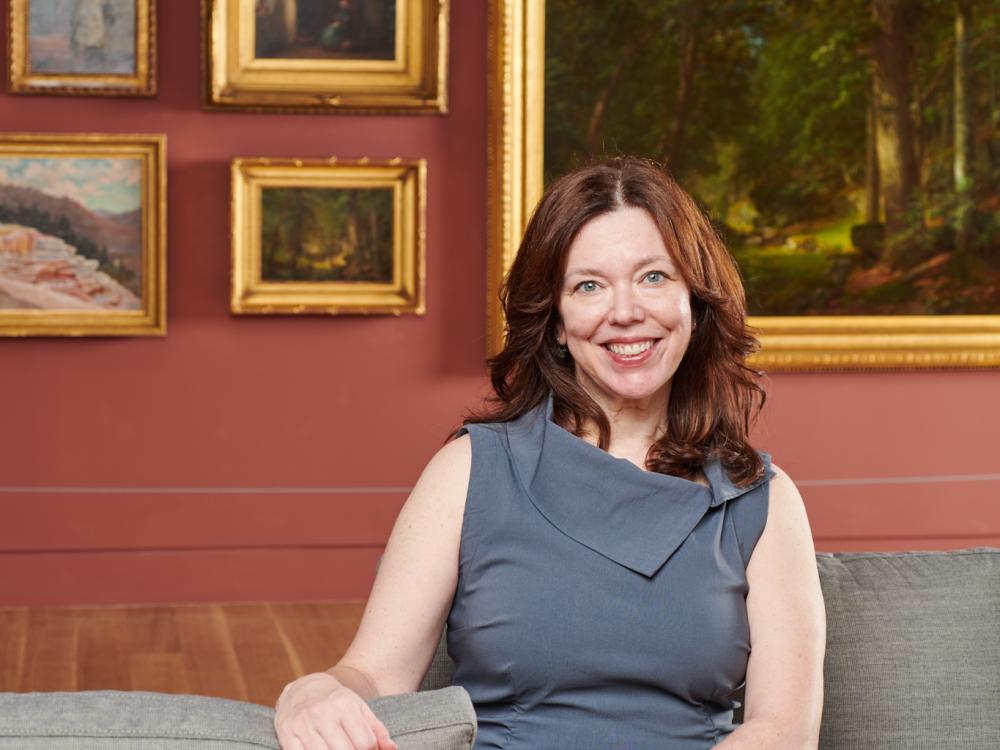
(515, 152)
(142, 83)
(404, 294)
(151, 320)
(415, 81)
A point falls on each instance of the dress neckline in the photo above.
(632, 516)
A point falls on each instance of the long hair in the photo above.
(714, 398)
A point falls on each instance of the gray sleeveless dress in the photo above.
(599, 606)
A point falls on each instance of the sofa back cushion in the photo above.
(913, 650)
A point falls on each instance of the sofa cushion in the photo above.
(132, 720)
(913, 650)
(442, 719)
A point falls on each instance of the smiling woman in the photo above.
(603, 542)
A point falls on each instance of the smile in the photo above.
(632, 349)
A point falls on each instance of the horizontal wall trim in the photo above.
(171, 550)
(204, 490)
(931, 479)
(154, 490)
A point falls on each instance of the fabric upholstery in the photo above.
(913, 650)
(112, 720)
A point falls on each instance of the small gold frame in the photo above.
(151, 318)
(414, 81)
(515, 143)
(23, 80)
(403, 294)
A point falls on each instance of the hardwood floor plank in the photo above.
(317, 632)
(153, 630)
(261, 653)
(50, 651)
(207, 646)
(102, 649)
(160, 672)
(13, 635)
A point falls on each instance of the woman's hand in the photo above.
(317, 712)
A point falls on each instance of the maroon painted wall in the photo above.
(265, 458)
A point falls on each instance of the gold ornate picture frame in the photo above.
(328, 236)
(82, 235)
(516, 142)
(82, 47)
(362, 55)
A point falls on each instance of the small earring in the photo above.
(561, 349)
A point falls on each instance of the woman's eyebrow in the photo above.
(582, 272)
(647, 261)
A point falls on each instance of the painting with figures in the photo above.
(326, 29)
(82, 36)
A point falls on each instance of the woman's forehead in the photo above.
(626, 237)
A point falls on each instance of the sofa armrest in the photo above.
(431, 720)
(135, 720)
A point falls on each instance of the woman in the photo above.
(604, 544)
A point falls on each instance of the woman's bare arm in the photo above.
(784, 691)
(401, 624)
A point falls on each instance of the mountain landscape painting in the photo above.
(70, 233)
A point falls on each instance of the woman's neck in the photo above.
(635, 426)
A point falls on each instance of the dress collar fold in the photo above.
(633, 517)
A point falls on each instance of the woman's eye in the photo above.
(587, 286)
(656, 277)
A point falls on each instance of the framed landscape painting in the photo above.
(847, 152)
(82, 235)
(327, 55)
(92, 47)
(329, 237)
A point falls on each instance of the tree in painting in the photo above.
(317, 234)
(847, 149)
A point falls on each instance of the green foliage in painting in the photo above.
(847, 150)
(319, 234)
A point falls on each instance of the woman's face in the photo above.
(625, 310)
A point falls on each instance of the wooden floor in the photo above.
(240, 651)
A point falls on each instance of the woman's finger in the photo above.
(359, 732)
(288, 741)
(385, 741)
(331, 737)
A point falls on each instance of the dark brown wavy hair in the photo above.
(714, 397)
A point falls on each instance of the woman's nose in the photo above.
(625, 308)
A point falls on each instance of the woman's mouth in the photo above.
(631, 352)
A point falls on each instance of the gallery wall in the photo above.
(264, 458)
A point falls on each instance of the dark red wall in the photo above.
(265, 458)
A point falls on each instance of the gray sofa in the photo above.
(913, 661)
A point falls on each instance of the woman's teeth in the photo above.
(630, 350)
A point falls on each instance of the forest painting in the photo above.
(326, 29)
(847, 150)
(321, 234)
